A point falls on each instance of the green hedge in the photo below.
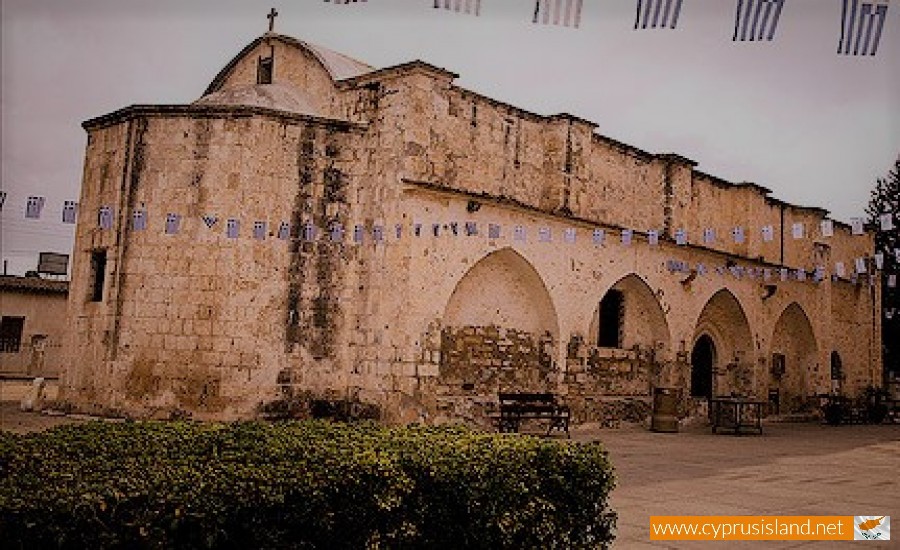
(311, 484)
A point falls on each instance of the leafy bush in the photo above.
(310, 484)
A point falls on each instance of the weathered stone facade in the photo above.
(431, 314)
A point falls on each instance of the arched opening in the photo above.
(629, 315)
(723, 321)
(794, 353)
(703, 360)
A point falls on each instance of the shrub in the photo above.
(310, 484)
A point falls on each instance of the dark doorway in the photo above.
(837, 372)
(703, 357)
(612, 313)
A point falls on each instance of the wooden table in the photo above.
(738, 414)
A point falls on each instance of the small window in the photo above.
(98, 274)
(11, 334)
(612, 313)
(264, 70)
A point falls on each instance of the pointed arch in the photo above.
(629, 314)
(725, 323)
(794, 355)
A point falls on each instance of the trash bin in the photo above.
(665, 410)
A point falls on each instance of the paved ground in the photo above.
(793, 469)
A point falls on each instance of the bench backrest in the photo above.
(520, 398)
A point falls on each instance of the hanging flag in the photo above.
(259, 230)
(897, 254)
(751, 272)
(70, 211)
(701, 270)
(172, 223)
(210, 221)
(232, 228)
(861, 24)
(2, 199)
(681, 237)
(736, 271)
(569, 235)
(558, 12)
(720, 271)
(767, 274)
(709, 235)
(627, 235)
(756, 20)
(358, 233)
(657, 14)
(545, 235)
(738, 234)
(827, 227)
(337, 233)
(783, 274)
(417, 229)
(398, 231)
(861, 265)
(887, 221)
(105, 217)
(598, 237)
(892, 280)
(493, 231)
(378, 233)
(879, 260)
(471, 229)
(768, 233)
(819, 274)
(139, 220)
(653, 237)
(801, 274)
(840, 270)
(797, 230)
(857, 227)
(454, 228)
(308, 233)
(519, 233)
(436, 229)
(33, 207)
(464, 6)
(284, 231)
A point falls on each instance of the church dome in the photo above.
(270, 96)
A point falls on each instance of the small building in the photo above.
(32, 326)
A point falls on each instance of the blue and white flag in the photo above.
(768, 233)
(210, 221)
(493, 231)
(308, 232)
(260, 230)
(33, 207)
(398, 231)
(861, 24)
(70, 211)
(378, 233)
(545, 235)
(471, 229)
(887, 221)
(358, 233)
(892, 281)
(784, 274)
(797, 230)
(861, 266)
(139, 220)
(519, 234)
(681, 237)
(284, 231)
(417, 229)
(709, 235)
(657, 14)
(464, 6)
(454, 228)
(701, 269)
(738, 234)
(756, 20)
(558, 12)
(857, 226)
(627, 235)
(105, 217)
(827, 228)
(653, 237)
(436, 229)
(767, 274)
(801, 274)
(173, 221)
(336, 233)
(840, 270)
(819, 274)
(232, 228)
(879, 260)
(569, 235)
(598, 237)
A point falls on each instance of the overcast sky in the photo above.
(815, 127)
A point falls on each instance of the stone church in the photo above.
(315, 226)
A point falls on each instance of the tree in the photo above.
(885, 199)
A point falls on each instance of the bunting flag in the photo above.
(887, 221)
(861, 24)
(33, 207)
(767, 274)
(358, 233)
(801, 275)
(840, 270)
(105, 217)
(857, 227)
(172, 223)
(701, 270)
(398, 231)
(709, 235)
(417, 229)
(558, 12)
(260, 230)
(768, 233)
(308, 232)
(471, 229)
(681, 237)
(232, 228)
(892, 281)
(861, 266)
(139, 220)
(493, 231)
(819, 274)
(464, 6)
(827, 227)
(598, 237)
(657, 14)
(70, 211)
(783, 274)
(545, 235)
(454, 228)
(756, 20)
(284, 231)
(336, 233)
(210, 221)
(653, 237)
(2, 199)
(519, 234)
(797, 230)
(738, 234)
(627, 235)
(879, 260)
(436, 229)
(570, 235)
(378, 233)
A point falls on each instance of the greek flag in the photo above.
(139, 220)
(738, 234)
(232, 228)
(398, 231)
(709, 235)
(887, 221)
(756, 19)
(493, 231)
(259, 231)
(284, 231)
(840, 270)
(569, 235)
(681, 237)
(797, 230)
(768, 233)
(544, 235)
(861, 265)
(309, 232)
(627, 235)
(857, 227)
(465, 6)
(519, 234)
(653, 237)
(558, 12)
(172, 223)
(879, 260)
(471, 229)
(105, 217)
(657, 14)
(337, 233)
(598, 237)
(861, 24)
(378, 233)
(892, 281)
(358, 234)
(827, 227)
(70, 211)
(33, 207)
(784, 274)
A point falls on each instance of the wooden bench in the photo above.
(516, 407)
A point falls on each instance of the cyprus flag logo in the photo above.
(871, 527)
